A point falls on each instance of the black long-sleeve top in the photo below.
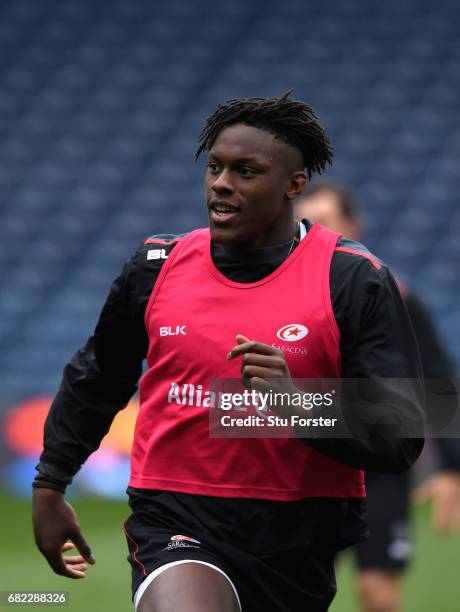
(377, 340)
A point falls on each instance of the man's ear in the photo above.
(296, 184)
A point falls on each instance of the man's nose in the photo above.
(222, 182)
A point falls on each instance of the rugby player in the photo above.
(382, 559)
(233, 524)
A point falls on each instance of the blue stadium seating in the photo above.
(101, 104)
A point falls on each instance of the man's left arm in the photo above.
(378, 345)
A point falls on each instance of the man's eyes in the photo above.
(214, 167)
(245, 171)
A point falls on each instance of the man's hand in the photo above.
(263, 367)
(55, 522)
(443, 490)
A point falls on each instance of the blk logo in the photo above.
(157, 254)
(292, 332)
(173, 331)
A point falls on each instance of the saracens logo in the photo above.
(182, 541)
(175, 538)
(292, 332)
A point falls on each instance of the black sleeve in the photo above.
(101, 377)
(441, 392)
(377, 342)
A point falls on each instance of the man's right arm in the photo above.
(97, 383)
(102, 376)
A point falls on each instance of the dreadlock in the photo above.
(294, 122)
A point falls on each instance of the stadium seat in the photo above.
(101, 105)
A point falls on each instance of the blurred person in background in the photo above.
(216, 521)
(382, 559)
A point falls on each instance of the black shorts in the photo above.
(278, 555)
(389, 547)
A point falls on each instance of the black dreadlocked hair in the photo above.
(294, 122)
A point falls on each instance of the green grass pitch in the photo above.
(433, 582)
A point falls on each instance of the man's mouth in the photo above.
(222, 212)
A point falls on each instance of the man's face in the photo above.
(323, 207)
(250, 181)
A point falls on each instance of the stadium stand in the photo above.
(101, 104)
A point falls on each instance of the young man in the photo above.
(382, 558)
(226, 524)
